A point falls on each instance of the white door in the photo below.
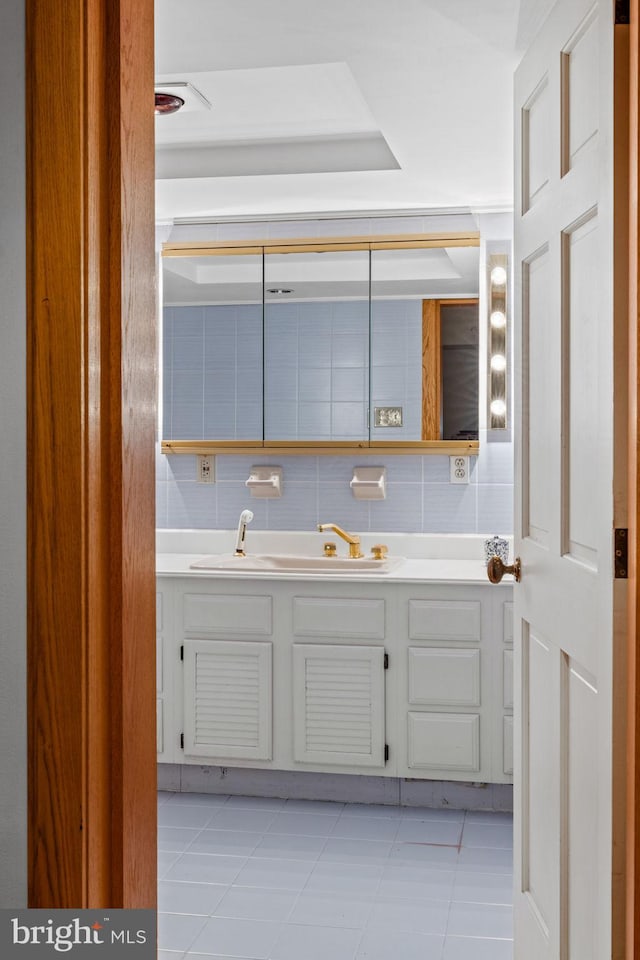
(565, 603)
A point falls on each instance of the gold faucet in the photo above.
(353, 541)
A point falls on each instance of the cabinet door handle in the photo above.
(496, 569)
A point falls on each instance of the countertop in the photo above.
(413, 570)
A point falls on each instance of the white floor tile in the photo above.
(234, 818)
(255, 903)
(423, 916)
(303, 824)
(356, 879)
(197, 799)
(275, 874)
(399, 945)
(283, 846)
(385, 811)
(301, 942)
(177, 931)
(236, 843)
(190, 816)
(329, 807)
(175, 838)
(429, 831)
(252, 878)
(331, 910)
(480, 920)
(193, 898)
(237, 938)
(412, 881)
(426, 853)
(166, 860)
(355, 851)
(472, 948)
(366, 828)
(486, 859)
(487, 835)
(205, 868)
(483, 887)
(256, 803)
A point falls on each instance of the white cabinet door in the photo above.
(338, 704)
(565, 483)
(228, 699)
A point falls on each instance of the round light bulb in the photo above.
(498, 362)
(498, 276)
(498, 408)
(498, 319)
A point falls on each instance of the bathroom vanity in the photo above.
(404, 673)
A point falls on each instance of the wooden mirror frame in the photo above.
(431, 400)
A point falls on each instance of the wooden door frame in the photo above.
(91, 424)
(91, 358)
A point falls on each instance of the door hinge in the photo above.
(386, 753)
(182, 652)
(182, 741)
(623, 11)
(621, 556)
(386, 661)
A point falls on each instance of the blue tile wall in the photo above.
(419, 499)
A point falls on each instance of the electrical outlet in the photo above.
(459, 469)
(206, 469)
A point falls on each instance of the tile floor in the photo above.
(258, 879)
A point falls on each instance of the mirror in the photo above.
(348, 345)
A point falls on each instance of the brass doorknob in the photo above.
(496, 569)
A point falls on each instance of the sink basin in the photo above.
(282, 562)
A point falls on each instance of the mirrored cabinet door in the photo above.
(424, 344)
(212, 348)
(316, 342)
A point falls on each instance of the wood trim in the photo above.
(632, 843)
(321, 448)
(200, 248)
(431, 370)
(91, 424)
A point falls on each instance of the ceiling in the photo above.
(298, 107)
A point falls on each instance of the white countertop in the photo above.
(427, 558)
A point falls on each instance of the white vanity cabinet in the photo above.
(384, 677)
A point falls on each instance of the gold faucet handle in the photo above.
(379, 551)
(330, 549)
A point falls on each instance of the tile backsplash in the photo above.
(420, 498)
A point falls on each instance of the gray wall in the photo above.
(13, 786)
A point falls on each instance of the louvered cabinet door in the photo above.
(228, 699)
(338, 700)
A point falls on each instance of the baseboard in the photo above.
(342, 787)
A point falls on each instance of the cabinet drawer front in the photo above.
(444, 620)
(338, 617)
(228, 699)
(507, 679)
(449, 677)
(227, 615)
(507, 745)
(444, 741)
(338, 698)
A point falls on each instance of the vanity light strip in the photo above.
(498, 323)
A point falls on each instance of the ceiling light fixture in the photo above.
(167, 103)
